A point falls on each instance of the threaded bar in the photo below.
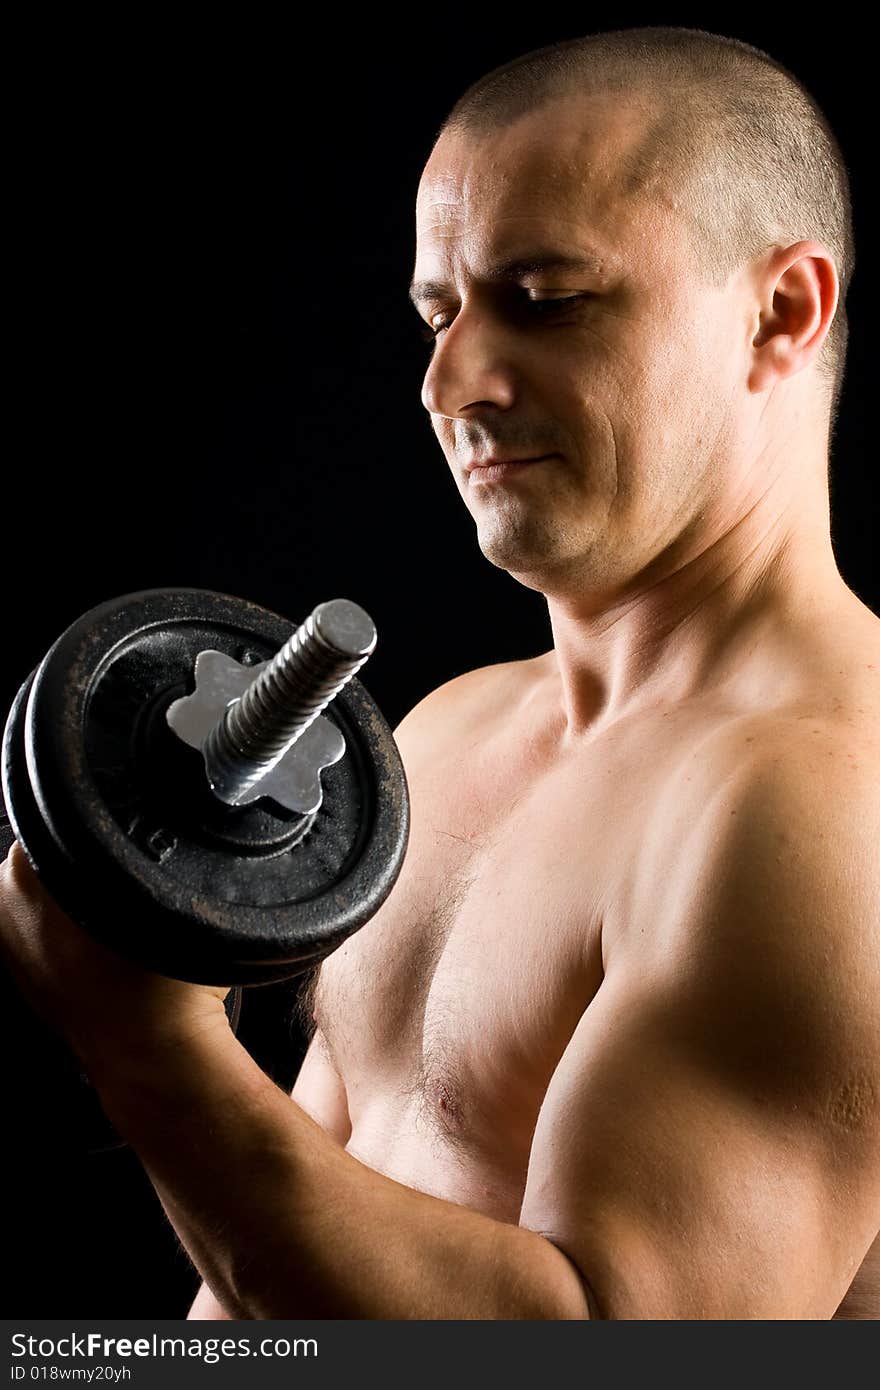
(309, 671)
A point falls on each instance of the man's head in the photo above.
(712, 261)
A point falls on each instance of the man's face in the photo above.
(625, 370)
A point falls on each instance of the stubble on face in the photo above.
(546, 524)
(592, 516)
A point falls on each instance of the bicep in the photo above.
(671, 1191)
(708, 1145)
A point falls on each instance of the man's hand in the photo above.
(97, 1000)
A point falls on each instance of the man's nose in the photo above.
(472, 364)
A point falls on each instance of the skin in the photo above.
(611, 1047)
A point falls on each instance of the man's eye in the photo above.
(552, 299)
(431, 332)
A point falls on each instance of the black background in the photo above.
(215, 383)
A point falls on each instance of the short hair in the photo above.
(738, 140)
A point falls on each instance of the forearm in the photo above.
(281, 1222)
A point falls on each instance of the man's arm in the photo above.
(709, 1145)
(711, 1150)
(320, 1092)
(281, 1222)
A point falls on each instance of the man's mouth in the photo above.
(492, 470)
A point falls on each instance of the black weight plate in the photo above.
(115, 812)
(7, 834)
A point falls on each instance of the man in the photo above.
(611, 1049)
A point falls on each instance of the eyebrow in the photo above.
(421, 291)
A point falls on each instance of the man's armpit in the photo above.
(320, 1091)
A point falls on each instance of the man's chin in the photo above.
(524, 560)
(538, 559)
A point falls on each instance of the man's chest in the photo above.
(457, 1001)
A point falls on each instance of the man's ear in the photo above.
(799, 290)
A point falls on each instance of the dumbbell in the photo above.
(205, 787)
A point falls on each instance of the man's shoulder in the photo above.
(829, 743)
(471, 700)
(768, 911)
(816, 719)
(784, 862)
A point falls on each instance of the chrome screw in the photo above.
(311, 668)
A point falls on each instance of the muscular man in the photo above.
(611, 1049)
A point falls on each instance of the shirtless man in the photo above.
(611, 1049)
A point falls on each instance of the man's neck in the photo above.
(717, 621)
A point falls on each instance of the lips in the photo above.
(493, 462)
(496, 470)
